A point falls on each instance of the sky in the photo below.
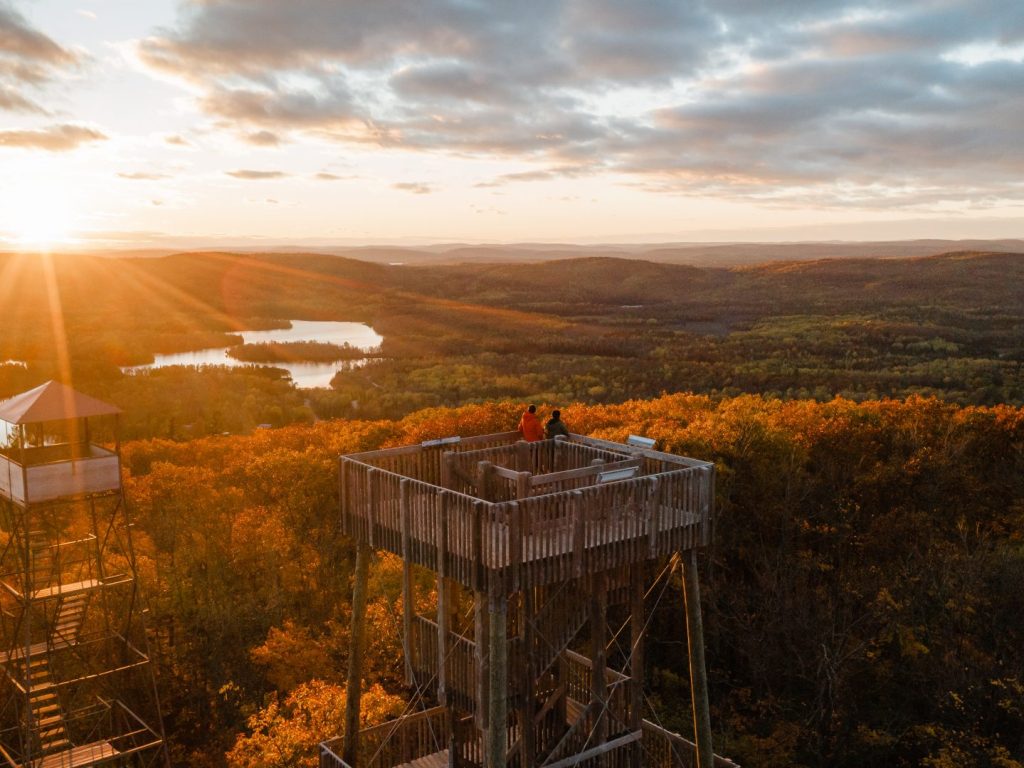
(167, 123)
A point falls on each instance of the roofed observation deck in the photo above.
(496, 513)
(46, 451)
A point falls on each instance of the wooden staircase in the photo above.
(42, 562)
(70, 617)
(44, 716)
(556, 625)
(44, 708)
(562, 616)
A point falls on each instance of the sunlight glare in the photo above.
(36, 216)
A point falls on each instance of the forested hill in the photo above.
(862, 597)
(592, 329)
(977, 278)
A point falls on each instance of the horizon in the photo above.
(580, 122)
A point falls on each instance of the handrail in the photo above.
(328, 757)
(377, 747)
(680, 751)
(422, 484)
(95, 452)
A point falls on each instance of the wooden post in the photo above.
(347, 526)
(527, 674)
(522, 456)
(636, 659)
(483, 479)
(442, 600)
(408, 598)
(496, 735)
(446, 469)
(480, 627)
(373, 479)
(355, 655)
(698, 673)
(523, 485)
(579, 541)
(598, 654)
(653, 513)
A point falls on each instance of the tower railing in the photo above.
(559, 534)
(52, 472)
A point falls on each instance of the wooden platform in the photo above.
(77, 757)
(36, 649)
(436, 760)
(65, 590)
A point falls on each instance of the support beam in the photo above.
(636, 658)
(408, 596)
(496, 735)
(443, 598)
(527, 675)
(481, 649)
(355, 655)
(599, 656)
(698, 672)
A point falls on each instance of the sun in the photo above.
(36, 217)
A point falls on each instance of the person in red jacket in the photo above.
(530, 427)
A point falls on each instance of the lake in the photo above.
(305, 375)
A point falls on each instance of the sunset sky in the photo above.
(139, 123)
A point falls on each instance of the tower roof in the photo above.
(52, 401)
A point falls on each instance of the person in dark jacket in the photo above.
(555, 426)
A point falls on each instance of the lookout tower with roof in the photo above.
(546, 556)
(77, 684)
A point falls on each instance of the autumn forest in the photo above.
(863, 594)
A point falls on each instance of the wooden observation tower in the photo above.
(537, 549)
(77, 685)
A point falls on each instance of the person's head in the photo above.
(532, 408)
(556, 415)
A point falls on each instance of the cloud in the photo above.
(324, 176)
(416, 187)
(55, 138)
(177, 141)
(28, 59)
(777, 103)
(143, 176)
(13, 101)
(546, 174)
(256, 175)
(263, 139)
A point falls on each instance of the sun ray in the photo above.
(56, 314)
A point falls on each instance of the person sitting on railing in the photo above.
(555, 426)
(529, 425)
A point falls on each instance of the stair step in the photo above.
(49, 733)
(46, 710)
(53, 746)
(43, 721)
